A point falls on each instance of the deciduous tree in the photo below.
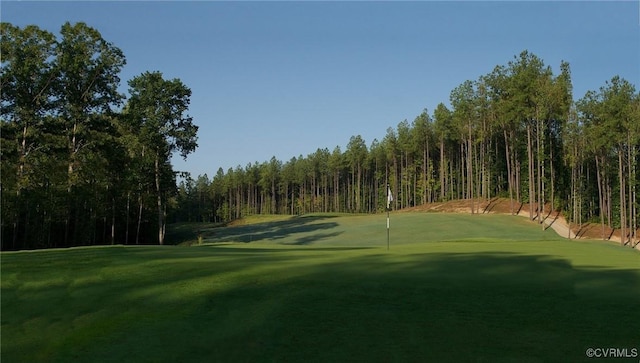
(158, 109)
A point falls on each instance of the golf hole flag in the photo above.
(389, 200)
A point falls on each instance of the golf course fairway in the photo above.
(325, 288)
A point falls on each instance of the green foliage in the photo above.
(78, 159)
(157, 110)
(610, 124)
(76, 171)
(155, 114)
(514, 132)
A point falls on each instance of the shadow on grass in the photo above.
(447, 307)
(275, 231)
(378, 307)
(178, 233)
(307, 240)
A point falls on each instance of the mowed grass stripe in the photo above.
(456, 295)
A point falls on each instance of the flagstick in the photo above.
(389, 200)
(387, 229)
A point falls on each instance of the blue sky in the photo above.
(285, 78)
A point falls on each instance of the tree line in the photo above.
(84, 164)
(81, 163)
(515, 132)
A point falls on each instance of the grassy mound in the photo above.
(324, 288)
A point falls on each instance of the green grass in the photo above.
(452, 288)
(370, 231)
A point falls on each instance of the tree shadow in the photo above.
(274, 231)
(245, 304)
(454, 307)
(490, 205)
(548, 225)
(307, 240)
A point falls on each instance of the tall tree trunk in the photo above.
(113, 220)
(126, 232)
(509, 171)
(359, 192)
(336, 191)
(540, 172)
(14, 240)
(623, 195)
(462, 185)
(325, 182)
(633, 213)
(609, 199)
(532, 195)
(425, 191)
(552, 174)
(451, 178)
(273, 196)
(443, 182)
(572, 197)
(470, 171)
(601, 193)
(580, 195)
(159, 201)
(518, 180)
(66, 227)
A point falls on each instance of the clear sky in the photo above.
(285, 78)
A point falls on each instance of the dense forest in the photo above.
(83, 164)
(515, 133)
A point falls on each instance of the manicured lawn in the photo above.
(451, 288)
(342, 230)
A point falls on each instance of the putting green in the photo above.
(370, 231)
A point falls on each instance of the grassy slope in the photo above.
(324, 288)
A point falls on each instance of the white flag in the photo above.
(389, 197)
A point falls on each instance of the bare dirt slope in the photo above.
(503, 206)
